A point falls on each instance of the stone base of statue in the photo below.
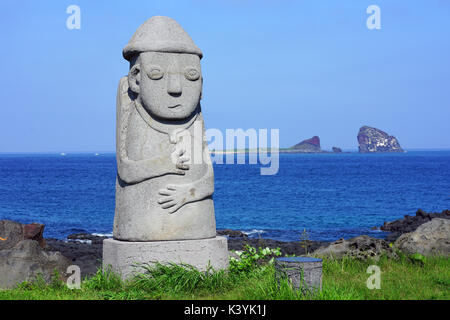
(127, 258)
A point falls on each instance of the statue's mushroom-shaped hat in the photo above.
(160, 34)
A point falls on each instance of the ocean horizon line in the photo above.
(65, 152)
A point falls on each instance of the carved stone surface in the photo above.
(165, 178)
(304, 273)
(165, 181)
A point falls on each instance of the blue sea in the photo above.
(332, 196)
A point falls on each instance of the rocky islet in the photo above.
(370, 140)
(373, 140)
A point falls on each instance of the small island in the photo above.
(373, 140)
(311, 145)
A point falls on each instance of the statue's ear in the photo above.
(201, 89)
(134, 78)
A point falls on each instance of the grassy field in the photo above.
(253, 278)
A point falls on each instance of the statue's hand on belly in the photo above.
(176, 196)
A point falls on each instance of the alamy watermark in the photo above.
(374, 20)
(374, 281)
(234, 148)
(74, 280)
(74, 20)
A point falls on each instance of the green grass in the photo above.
(343, 279)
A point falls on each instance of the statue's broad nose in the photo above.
(174, 81)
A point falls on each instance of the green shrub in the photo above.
(418, 258)
(251, 257)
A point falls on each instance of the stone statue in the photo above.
(165, 178)
(161, 193)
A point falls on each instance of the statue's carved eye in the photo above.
(192, 74)
(155, 73)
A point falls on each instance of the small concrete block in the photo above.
(302, 272)
(125, 257)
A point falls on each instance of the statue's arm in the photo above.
(131, 171)
(205, 185)
(177, 195)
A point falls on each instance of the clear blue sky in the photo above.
(304, 67)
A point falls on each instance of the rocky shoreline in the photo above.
(85, 250)
(411, 223)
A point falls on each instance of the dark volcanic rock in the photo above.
(337, 150)
(430, 238)
(22, 257)
(372, 140)
(410, 223)
(311, 145)
(231, 233)
(361, 247)
(86, 237)
(34, 231)
(12, 232)
(84, 250)
(26, 260)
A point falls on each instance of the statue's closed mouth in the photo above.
(175, 106)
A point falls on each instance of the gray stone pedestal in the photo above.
(124, 257)
(302, 272)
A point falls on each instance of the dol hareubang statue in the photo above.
(162, 192)
(165, 181)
